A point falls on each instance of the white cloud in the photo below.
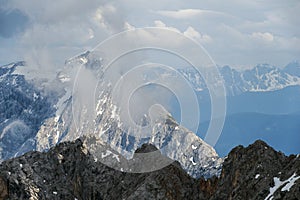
(268, 37)
(181, 14)
(189, 32)
(65, 28)
(128, 26)
(231, 31)
(193, 13)
(52, 12)
(112, 17)
(192, 33)
(160, 24)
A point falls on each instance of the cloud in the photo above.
(61, 30)
(181, 14)
(194, 14)
(12, 22)
(160, 24)
(68, 27)
(111, 17)
(192, 33)
(268, 37)
(53, 12)
(128, 26)
(189, 32)
(198, 15)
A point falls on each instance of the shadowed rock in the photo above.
(69, 171)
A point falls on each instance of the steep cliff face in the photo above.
(69, 171)
(259, 172)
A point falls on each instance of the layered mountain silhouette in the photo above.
(69, 171)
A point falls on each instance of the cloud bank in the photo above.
(233, 32)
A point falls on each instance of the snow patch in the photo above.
(103, 131)
(35, 96)
(257, 175)
(116, 157)
(152, 140)
(60, 157)
(290, 182)
(114, 112)
(83, 60)
(61, 105)
(108, 152)
(192, 160)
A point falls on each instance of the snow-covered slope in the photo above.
(32, 118)
(261, 78)
(175, 141)
(23, 108)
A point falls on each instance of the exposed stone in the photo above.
(68, 171)
(3, 189)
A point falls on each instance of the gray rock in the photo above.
(69, 171)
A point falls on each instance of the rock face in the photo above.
(69, 171)
(252, 172)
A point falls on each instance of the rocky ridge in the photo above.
(69, 171)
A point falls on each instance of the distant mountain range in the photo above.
(261, 78)
(36, 118)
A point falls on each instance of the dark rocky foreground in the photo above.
(68, 171)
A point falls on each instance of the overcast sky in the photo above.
(234, 32)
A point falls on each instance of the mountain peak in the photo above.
(293, 68)
(146, 148)
(259, 144)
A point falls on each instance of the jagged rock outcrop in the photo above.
(252, 172)
(69, 171)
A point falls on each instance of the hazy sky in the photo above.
(234, 32)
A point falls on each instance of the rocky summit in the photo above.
(70, 171)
